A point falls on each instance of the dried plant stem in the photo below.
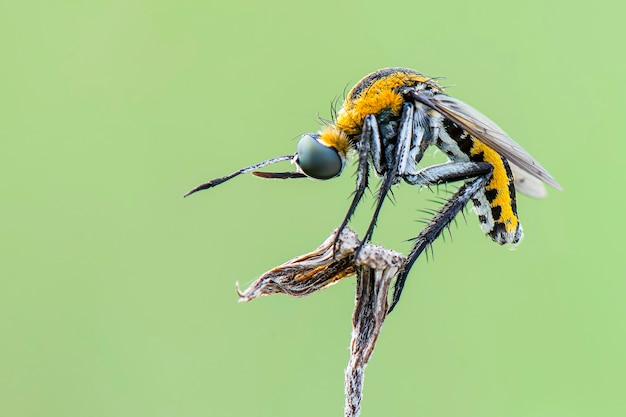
(376, 267)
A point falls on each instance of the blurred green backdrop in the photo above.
(117, 296)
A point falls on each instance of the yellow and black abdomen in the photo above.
(495, 205)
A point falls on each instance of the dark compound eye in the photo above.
(318, 160)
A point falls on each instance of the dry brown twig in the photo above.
(375, 268)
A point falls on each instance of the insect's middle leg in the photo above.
(390, 175)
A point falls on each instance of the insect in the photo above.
(388, 120)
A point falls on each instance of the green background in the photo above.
(117, 296)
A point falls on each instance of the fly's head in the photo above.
(322, 155)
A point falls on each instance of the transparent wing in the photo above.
(526, 183)
(481, 127)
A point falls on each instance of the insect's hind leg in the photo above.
(449, 172)
(438, 174)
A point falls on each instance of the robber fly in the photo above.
(389, 118)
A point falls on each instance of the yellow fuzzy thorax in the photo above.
(335, 138)
(375, 93)
(499, 181)
(381, 95)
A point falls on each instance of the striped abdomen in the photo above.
(495, 205)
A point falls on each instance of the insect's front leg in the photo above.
(370, 140)
(439, 174)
